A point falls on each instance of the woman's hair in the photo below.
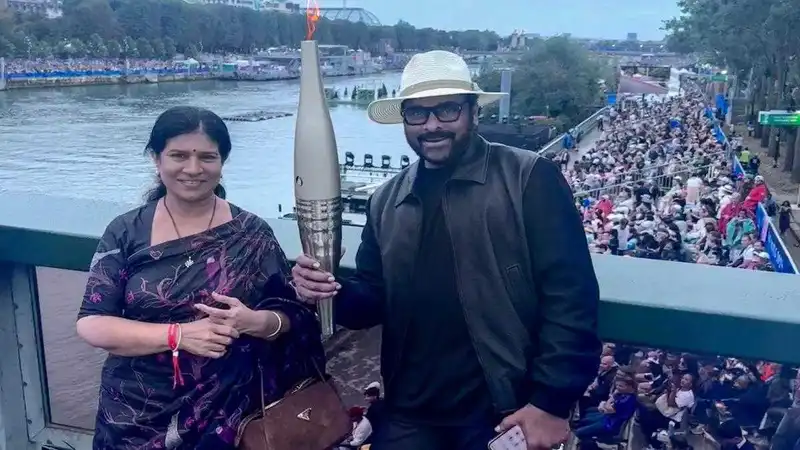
(181, 120)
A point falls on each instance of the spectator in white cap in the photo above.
(376, 407)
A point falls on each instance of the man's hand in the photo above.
(542, 430)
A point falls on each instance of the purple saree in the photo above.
(138, 407)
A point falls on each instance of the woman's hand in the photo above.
(206, 338)
(237, 316)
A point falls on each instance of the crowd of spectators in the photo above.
(739, 404)
(44, 66)
(659, 184)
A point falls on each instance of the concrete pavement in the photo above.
(585, 145)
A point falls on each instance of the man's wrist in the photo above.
(555, 402)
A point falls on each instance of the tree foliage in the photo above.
(757, 41)
(556, 78)
(159, 28)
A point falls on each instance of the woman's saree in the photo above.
(138, 406)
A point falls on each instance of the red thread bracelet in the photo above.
(174, 335)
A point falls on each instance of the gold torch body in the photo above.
(317, 183)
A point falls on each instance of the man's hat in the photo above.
(431, 74)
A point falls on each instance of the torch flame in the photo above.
(312, 17)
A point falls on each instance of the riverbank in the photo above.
(106, 80)
(103, 80)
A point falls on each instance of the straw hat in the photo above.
(431, 74)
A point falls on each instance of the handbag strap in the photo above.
(322, 378)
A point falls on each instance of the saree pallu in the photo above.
(138, 406)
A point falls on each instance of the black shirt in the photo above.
(440, 378)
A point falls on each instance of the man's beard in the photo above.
(458, 147)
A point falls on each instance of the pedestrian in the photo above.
(784, 217)
(474, 261)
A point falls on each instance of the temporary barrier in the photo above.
(778, 253)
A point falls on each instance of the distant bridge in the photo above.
(351, 15)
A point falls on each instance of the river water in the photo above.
(88, 142)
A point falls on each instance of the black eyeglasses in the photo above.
(444, 112)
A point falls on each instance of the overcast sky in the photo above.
(581, 18)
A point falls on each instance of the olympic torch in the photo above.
(317, 187)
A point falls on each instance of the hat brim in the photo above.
(387, 110)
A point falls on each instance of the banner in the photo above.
(778, 254)
(773, 244)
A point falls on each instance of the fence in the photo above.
(663, 180)
(778, 253)
(582, 129)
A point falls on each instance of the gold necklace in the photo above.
(189, 261)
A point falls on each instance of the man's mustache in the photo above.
(436, 136)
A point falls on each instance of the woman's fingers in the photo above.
(213, 312)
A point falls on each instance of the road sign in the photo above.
(612, 99)
(719, 77)
(777, 118)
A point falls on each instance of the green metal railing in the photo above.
(582, 129)
(696, 308)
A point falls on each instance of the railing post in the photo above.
(19, 356)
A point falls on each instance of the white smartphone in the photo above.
(512, 439)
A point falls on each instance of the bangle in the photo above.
(174, 336)
(278, 328)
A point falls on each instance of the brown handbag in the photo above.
(311, 416)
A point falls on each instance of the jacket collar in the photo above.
(473, 167)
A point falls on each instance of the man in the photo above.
(375, 410)
(600, 389)
(474, 261)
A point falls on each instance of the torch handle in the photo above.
(320, 225)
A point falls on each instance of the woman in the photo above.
(738, 227)
(190, 296)
(677, 400)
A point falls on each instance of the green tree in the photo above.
(7, 49)
(190, 51)
(556, 78)
(158, 48)
(221, 28)
(113, 48)
(144, 48)
(758, 37)
(129, 49)
(96, 47)
(169, 47)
